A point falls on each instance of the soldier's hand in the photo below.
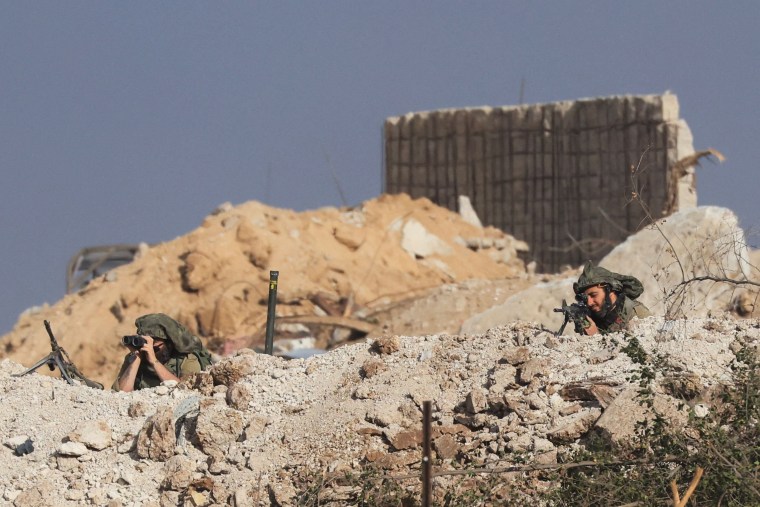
(150, 354)
(584, 325)
(591, 329)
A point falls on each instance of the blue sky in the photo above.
(123, 122)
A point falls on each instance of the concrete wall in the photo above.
(555, 175)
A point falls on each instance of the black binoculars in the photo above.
(134, 340)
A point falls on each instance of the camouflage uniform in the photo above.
(627, 288)
(186, 357)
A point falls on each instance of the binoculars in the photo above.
(134, 340)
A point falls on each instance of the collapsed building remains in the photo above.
(560, 176)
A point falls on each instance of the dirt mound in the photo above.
(347, 262)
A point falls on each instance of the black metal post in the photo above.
(269, 346)
(427, 463)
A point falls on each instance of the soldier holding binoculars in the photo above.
(161, 350)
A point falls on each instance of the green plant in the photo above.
(726, 443)
(370, 487)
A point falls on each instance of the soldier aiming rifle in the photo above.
(606, 302)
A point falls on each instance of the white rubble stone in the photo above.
(467, 212)
(419, 242)
(94, 434)
(72, 449)
(74, 495)
(11, 494)
(14, 442)
(701, 410)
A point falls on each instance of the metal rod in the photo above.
(427, 463)
(269, 346)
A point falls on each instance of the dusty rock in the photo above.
(217, 427)
(13, 442)
(384, 414)
(178, 473)
(170, 499)
(520, 443)
(74, 495)
(387, 345)
(157, 440)
(446, 447)
(467, 212)
(255, 426)
(701, 410)
(138, 409)
(571, 409)
(202, 382)
(350, 236)
(476, 401)
(574, 426)
(239, 396)
(94, 434)
(230, 372)
(618, 423)
(20, 445)
(517, 355)
(283, 493)
(420, 243)
(403, 439)
(372, 367)
(245, 496)
(40, 494)
(533, 368)
(74, 449)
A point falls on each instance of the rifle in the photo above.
(577, 312)
(58, 357)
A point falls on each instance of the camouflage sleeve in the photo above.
(189, 366)
(640, 310)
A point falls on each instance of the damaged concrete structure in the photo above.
(560, 176)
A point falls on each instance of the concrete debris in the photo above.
(467, 212)
(621, 419)
(94, 435)
(326, 413)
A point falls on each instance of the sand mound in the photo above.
(344, 262)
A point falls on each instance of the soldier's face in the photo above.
(162, 350)
(595, 298)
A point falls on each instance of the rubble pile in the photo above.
(244, 431)
(450, 314)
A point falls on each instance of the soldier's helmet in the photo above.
(597, 275)
(161, 326)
